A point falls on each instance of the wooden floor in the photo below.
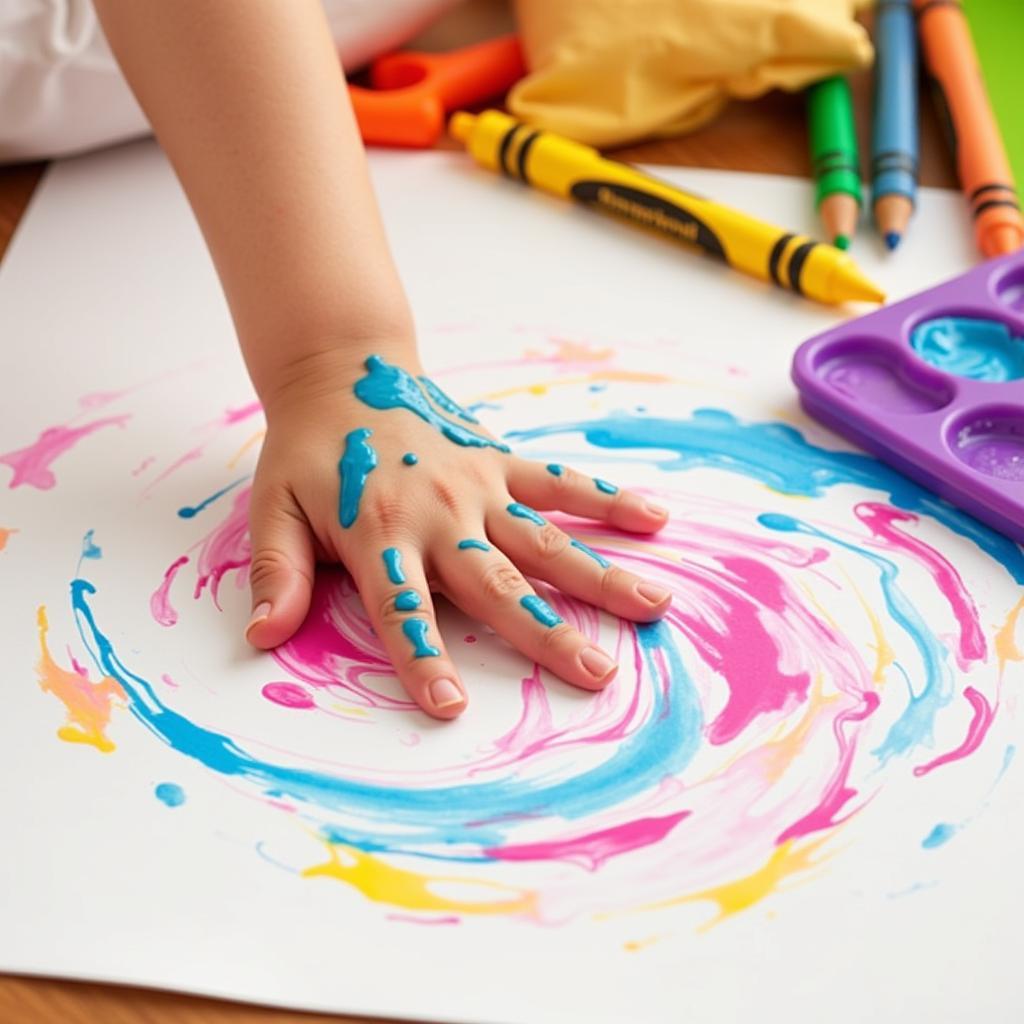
(767, 135)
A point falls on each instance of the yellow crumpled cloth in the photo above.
(609, 72)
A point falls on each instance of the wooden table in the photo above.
(768, 135)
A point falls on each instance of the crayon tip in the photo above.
(892, 240)
(461, 125)
(841, 242)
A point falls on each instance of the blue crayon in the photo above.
(894, 131)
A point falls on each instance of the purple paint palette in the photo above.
(934, 385)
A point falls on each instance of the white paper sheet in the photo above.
(734, 828)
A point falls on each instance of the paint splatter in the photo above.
(170, 794)
(32, 465)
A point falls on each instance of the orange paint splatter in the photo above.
(1007, 648)
(88, 704)
(4, 535)
(253, 439)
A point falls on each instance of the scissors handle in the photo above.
(412, 91)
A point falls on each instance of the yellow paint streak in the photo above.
(88, 704)
(383, 883)
(635, 945)
(779, 753)
(885, 656)
(4, 536)
(634, 376)
(1007, 648)
(254, 439)
(732, 897)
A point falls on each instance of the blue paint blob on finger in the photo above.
(170, 794)
(410, 458)
(415, 631)
(521, 511)
(393, 564)
(540, 610)
(472, 542)
(604, 487)
(555, 469)
(407, 601)
(590, 553)
(357, 462)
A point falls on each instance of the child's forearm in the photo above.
(249, 101)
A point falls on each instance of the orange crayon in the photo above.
(982, 165)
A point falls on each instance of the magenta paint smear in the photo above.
(288, 695)
(981, 721)
(160, 606)
(32, 464)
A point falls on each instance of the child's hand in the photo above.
(443, 509)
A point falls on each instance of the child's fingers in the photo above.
(397, 598)
(542, 550)
(557, 486)
(486, 585)
(281, 570)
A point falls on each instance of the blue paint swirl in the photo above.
(915, 724)
(541, 610)
(415, 631)
(390, 387)
(407, 601)
(170, 794)
(471, 542)
(357, 462)
(973, 348)
(393, 564)
(521, 511)
(410, 819)
(189, 511)
(778, 456)
(590, 553)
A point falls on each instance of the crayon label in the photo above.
(650, 212)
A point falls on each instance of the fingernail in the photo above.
(652, 593)
(655, 510)
(259, 614)
(596, 662)
(445, 694)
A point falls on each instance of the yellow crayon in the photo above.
(565, 168)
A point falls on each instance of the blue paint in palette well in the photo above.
(970, 347)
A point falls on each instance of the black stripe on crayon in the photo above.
(775, 258)
(796, 265)
(925, 8)
(894, 161)
(506, 145)
(524, 151)
(992, 203)
(991, 188)
(827, 166)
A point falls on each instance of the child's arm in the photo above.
(249, 101)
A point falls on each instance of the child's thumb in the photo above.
(281, 572)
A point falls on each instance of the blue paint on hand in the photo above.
(89, 548)
(410, 458)
(470, 542)
(968, 347)
(555, 469)
(521, 511)
(407, 601)
(170, 793)
(390, 387)
(393, 563)
(590, 553)
(439, 398)
(188, 511)
(940, 834)
(415, 631)
(604, 487)
(357, 462)
(540, 610)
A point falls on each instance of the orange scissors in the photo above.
(412, 92)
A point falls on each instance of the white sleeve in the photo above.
(61, 90)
